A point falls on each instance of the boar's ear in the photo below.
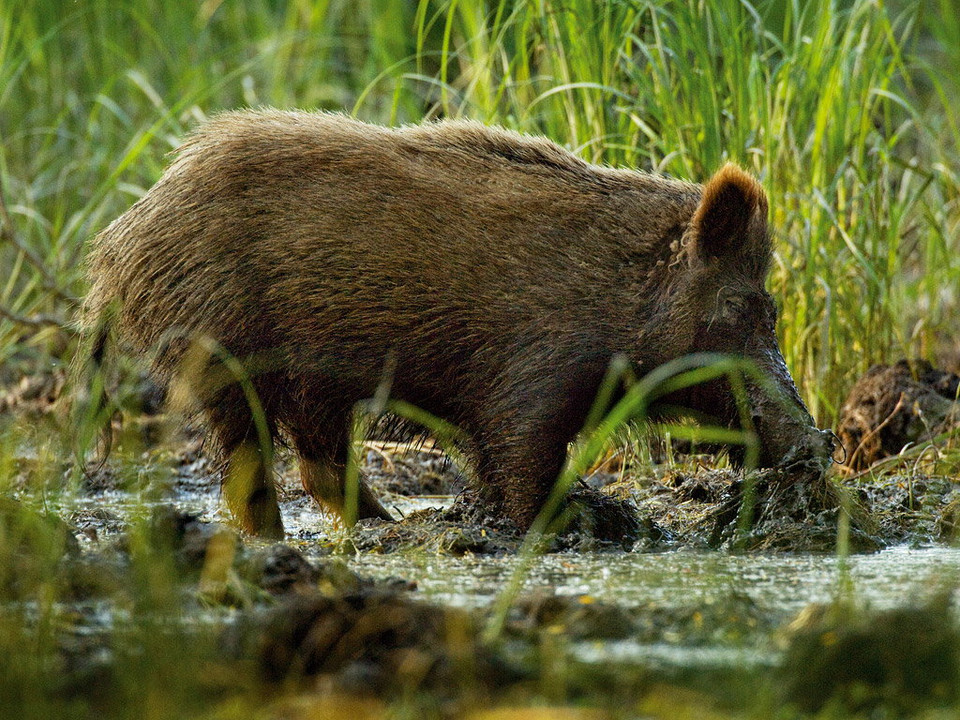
(721, 224)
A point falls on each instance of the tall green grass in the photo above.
(819, 99)
(846, 111)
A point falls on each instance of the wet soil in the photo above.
(283, 617)
(349, 612)
(893, 407)
(650, 508)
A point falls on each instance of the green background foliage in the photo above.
(848, 112)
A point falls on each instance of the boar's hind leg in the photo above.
(248, 486)
(322, 445)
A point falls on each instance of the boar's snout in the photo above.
(729, 256)
(789, 437)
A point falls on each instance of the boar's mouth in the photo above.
(799, 449)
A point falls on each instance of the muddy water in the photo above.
(710, 619)
(775, 588)
(783, 584)
(779, 584)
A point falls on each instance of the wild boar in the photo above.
(492, 275)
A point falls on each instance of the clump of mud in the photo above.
(731, 617)
(893, 406)
(763, 510)
(371, 641)
(591, 520)
(917, 510)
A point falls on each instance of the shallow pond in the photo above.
(781, 583)
(775, 587)
(723, 622)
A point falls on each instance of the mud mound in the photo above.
(372, 641)
(893, 406)
(772, 511)
(765, 510)
(596, 521)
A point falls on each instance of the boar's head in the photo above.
(715, 301)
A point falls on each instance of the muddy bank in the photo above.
(666, 510)
(713, 603)
(271, 620)
(639, 507)
(655, 508)
(893, 407)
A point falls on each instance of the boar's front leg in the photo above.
(518, 463)
(530, 419)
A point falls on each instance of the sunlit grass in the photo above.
(854, 138)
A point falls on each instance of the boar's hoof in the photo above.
(605, 518)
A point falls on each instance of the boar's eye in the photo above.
(732, 307)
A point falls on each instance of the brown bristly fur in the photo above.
(495, 274)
